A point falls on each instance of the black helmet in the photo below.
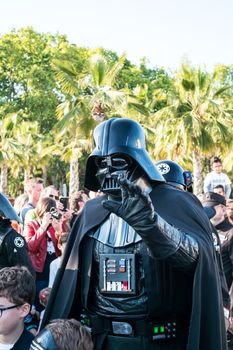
(43, 341)
(119, 136)
(6, 209)
(172, 172)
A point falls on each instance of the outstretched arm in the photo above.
(163, 240)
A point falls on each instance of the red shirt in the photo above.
(37, 243)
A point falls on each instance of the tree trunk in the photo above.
(26, 176)
(197, 174)
(74, 176)
(3, 178)
(45, 174)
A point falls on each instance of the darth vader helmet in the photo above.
(172, 172)
(6, 209)
(120, 151)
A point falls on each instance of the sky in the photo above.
(163, 31)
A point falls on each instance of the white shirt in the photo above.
(213, 179)
(54, 266)
(6, 346)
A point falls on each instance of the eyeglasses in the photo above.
(53, 196)
(8, 308)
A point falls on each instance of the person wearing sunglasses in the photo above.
(17, 290)
(49, 191)
(53, 193)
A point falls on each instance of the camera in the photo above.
(55, 214)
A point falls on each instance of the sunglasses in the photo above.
(54, 197)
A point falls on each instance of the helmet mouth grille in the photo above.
(110, 184)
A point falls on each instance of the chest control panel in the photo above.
(117, 274)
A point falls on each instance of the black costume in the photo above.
(13, 248)
(24, 341)
(149, 281)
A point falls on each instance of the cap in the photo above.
(210, 212)
(210, 199)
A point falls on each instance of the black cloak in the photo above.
(183, 211)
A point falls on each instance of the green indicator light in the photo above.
(162, 329)
(156, 330)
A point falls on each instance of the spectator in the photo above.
(217, 177)
(217, 203)
(20, 202)
(33, 189)
(17, 290)
(52, 192)
(49, 191)
(13, 250)
(77, 203)
(220, 190)
(42, 237)
(63, 335)
(55, 264)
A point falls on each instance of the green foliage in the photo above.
(53, 94)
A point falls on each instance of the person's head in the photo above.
(33, 188)
(20, 202)
(62, 240)
(120, 152)
(51, 192)
(44, 295)
(220, 190)
(78, 200)
(44, 206)
(172, 172)
(17, 291)
(216, 207)
(230, 209)
(216, 165)
(63, 335)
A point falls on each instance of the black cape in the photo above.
(184, 211)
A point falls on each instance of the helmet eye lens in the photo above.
(119, 163)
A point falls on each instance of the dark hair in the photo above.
(17, 285)
(78, 197)
(70, 335)
(216, 160)
(44, 205)
(219, 186)
(63, 238)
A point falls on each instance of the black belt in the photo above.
(157, 329)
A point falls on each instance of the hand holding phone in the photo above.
(65, 202)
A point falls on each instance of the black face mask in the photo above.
(111, 168)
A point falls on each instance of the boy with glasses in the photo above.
(17, 290)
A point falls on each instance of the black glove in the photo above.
(135, 207)
(162, 239)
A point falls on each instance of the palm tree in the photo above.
(8, 148)
(27, 135)
(195, 120)
(90, 98)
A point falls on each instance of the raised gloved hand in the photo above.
(135, 207)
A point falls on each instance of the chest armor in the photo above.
(118, 278)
